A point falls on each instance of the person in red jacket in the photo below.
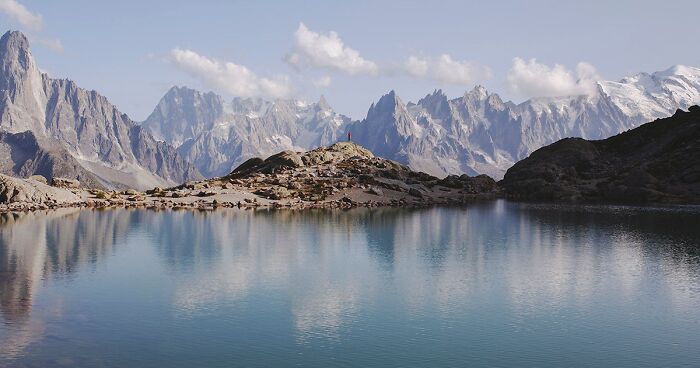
(349, 136)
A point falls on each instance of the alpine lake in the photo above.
(492, 284)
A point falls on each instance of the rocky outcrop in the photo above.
(289, 159)
(65, 183)
(348, 174)
(658, 162)
(81, 124)
(33, 192)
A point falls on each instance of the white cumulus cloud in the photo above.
(528, 78)
(327, 51)
(445, 70)
(322, 82)
(21, 14)
(229, 77)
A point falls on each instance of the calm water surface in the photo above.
(495, 284)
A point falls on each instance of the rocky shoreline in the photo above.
(341, 176)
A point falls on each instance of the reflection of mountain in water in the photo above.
(36, 246)
(433, 258)
(329, 264)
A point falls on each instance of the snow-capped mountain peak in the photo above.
(217, 135)
(475, 133)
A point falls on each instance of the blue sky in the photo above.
(134, 51)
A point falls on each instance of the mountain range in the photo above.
(53, 127)
(216, 135)
(477, 133)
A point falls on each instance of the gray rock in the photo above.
(39, 178)
(375, 191)
(15, 190)
(65, 183)
(84, 122)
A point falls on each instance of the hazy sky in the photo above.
(352, 51)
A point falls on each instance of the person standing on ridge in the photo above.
(349, 136)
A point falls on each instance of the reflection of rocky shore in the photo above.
(327, 265)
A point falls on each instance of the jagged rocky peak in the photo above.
(388, 104)
(17, 57)
(21, 85)
(216, 140)
(182, 113)
(247, 105)
(435, 103)
(92, 134)
(184, 93)
(179, 96)
(478, 93)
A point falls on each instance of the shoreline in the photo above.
(199, 204)
(241, 200)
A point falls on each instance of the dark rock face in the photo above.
(471, 184)
(659, 162)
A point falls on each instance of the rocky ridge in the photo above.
(342, 175)
(658, 162)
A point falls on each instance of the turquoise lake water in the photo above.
(495, 284)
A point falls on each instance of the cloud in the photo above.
(228, 77)
(21, 15)
(445, 70)
(322, 82)
(532, 79)
(327, 51)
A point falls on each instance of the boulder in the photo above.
(375, 191)
(65, 183)
(248, 165)
(15, 190)
(274, 193)
(284, 159)
(40, 178)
